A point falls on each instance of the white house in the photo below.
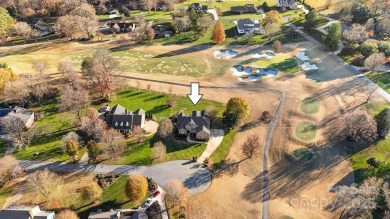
(286, 4)
(246, 25)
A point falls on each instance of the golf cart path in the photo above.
(193, 175)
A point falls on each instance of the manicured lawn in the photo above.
(141, 153)
(382, 79)
(223, 149)
(3, 147)
(286, 65)
(47, 147)
(306, 131)
(156, 103)
(381, 151)
(310, 105)
(152, 14)
(113, 197)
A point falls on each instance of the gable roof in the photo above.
(121, 118)
(25, 212)
(20, 112)
(201, 119)
(247, 24)
(248, 8)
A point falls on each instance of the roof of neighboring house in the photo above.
(200, 118)
(247, 23)
(199, 6)
(41, 25)
(25, 212)
(248, 8)
(121, 118)
(285, 2)
(121, 25)
(20, 112)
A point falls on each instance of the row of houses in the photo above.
(197, 125)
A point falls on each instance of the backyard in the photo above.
(58, 124)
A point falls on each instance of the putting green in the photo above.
(310, 105)
(306, 131)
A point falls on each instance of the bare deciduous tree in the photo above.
(67, 25)
(87, 26)
(182, 23)
(374, 61)
(16, 90)
(15, 127)
(45, 183)
(24, 30)
(40, 66)
(176, 193)
(159, 150)
(113, 143)
(138, 132)
(251, 146)
(91, 124)
(358, 201)
(357, 34)
(165, 128)
(73, 100)
(359, 126)
(277, 45)
(9, 169)
(65, 67)
(205, 23)
(67, 214)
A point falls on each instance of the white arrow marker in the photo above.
(195, 96)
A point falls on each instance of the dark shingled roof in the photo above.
(248, 8)
(200, 119)
(121, 118)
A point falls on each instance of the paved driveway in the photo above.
(193, 176)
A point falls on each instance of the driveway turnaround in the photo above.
(193, 175)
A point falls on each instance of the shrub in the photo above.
(384, 46)
(368, 48)
(372, 161)
(350, 49)
(136, 187)
(358, 61)
(91, 192)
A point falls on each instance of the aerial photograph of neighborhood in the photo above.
(194, 109)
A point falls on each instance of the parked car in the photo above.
(156, 193)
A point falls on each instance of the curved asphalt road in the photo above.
(194, 177)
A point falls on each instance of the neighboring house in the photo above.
(122, 27)
(161, 31)
(123, 120)
(43, 28)
(112, 214)
(197, 125)
(198, 7)
(286, 4)
(24, 114)
(246, 9)
(246, 25)
(25, 212)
